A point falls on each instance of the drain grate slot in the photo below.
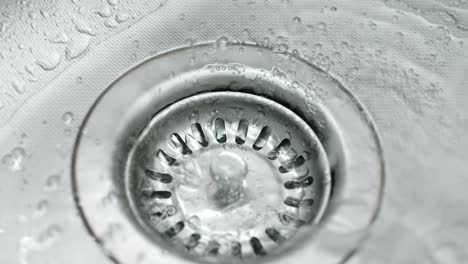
(262, 138)
(282, 147)
(294, 202)
(257, 247)
(199, 135)
(242, 131)
(274, 235)
(157, 176)
(162, 156)
(173, 231)
(292, 165)
(300, 183)
(150, 194)
(236, 249)
(193, 242)
(180, 145)
(220, 130)
(213, 247)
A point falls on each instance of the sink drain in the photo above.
(234, 182)
(235, 157)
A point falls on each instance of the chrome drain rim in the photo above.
(227, 175)
(118, 117)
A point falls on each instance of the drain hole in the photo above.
(257, 247)
(163, 213)
(282, 147)
(213, 247)
(165, 157)
(220, 130)
(294, 202)
(194, 240)
(157, 176)
(274, 235)
(199, 135)
(173, 231)
(262, 138)
(156, 194)
(301, 183)
(242, 130)
(236, 249)
(180, 144)
(286, 219)
(254, 152)
(291, 165)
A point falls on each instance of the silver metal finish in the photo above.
(228, 175)
(197, 162)
(80, 80)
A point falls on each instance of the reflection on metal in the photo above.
(220, 161)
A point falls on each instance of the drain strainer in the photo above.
(233, 182)
(235, 157)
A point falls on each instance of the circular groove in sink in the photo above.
(107, 177)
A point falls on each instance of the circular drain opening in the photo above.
(235, 182)
(120, 185)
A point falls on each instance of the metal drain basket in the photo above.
(228, 173)
(333, 124)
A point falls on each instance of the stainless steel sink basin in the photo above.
(241, 131)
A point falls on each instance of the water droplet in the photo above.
(77, 47)
(83, 27)
(333, 9)
(50, 235)
(53, 182)
(104, 12)
(241, 50)
(50, 62)
(112, 2)
(15, 159)
(45, 14)
(222, 42)
(297, 20)
(322, 26)
(282, 48)
(189, 42)
(194, 116)
(122, 17)
(193, 59)
(29, 69)
(60, 38)
(111, 23)
(278, 73)
(194, 221)
(246, 33)
(67, 118)
(41, 208)
(372, 25)
(19, 86)
(295, 85)
(182, 16)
